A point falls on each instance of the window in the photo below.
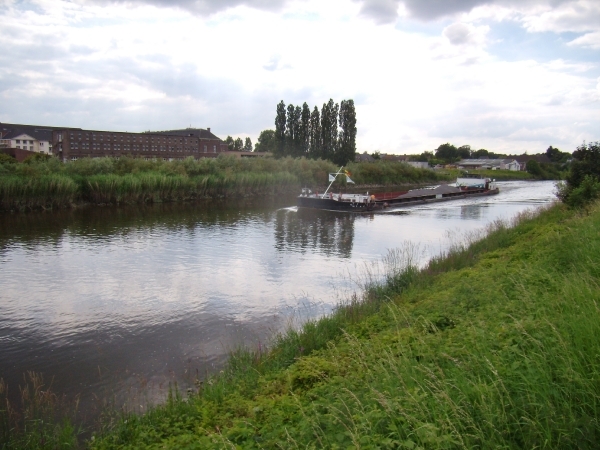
(214, 149)
(205, 149)
(18, 141)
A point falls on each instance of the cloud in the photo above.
(589, 40)
(381, 11)
(565, 16)
(202, 7)
(461, 34)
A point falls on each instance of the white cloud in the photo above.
(138, 67)
(574, 16)
(590, 40)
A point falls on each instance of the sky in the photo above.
(510, 76)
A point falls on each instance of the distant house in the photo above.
(489, 164)
(364, 157)
(524, 159)
(31, 138)
(394, 158)
(418, 164)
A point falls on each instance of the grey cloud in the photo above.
(458, 33)
(203, 6)
(382, 11)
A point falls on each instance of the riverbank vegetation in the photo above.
(48, 183)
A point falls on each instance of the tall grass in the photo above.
(492, 346)
(43, 420)
(49, 183)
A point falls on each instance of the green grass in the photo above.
(494, 345)
(47, 183)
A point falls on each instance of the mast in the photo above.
(334, 178)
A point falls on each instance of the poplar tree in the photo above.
(329, 129)
(304, 133)
(230, 143)
(238, 145)
(314, 150)
(248, 145)
(346, 150)
(297, 145)
(280, 122)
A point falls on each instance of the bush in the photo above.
(582, 184)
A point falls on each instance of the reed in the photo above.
(49, 183)
(42, 420)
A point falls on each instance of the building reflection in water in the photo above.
(308, 230)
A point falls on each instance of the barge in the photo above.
(464, 187)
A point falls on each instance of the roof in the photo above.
(485, 162)
(191, 132)
(40, 134)
(34, 130)
(364, 157)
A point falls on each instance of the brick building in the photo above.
(70, 144)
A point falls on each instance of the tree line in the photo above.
(328, 134)
(238, 145)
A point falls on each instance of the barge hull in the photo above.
(414, 198)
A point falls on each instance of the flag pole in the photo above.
(334, 178)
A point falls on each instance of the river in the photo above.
(114, 303)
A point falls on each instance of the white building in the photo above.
(33, 139)
(490, 164)
(418, 164)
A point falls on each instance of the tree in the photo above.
(556, 156)
(238, 145)
(481, 153)
(423, 157)
(304, 130)
(533, 167)
(280, 122)
(346, 148)
(329, 129)
(315, 144)
(267, 142)
(447, 152)
(230, 142)
(291, 127)
(248, 147)
(582, 184)
(464, 151)
(376, 155)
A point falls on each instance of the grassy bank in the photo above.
(52, 184)
(493, 345)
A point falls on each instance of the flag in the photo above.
(331, 177)
(349, 180)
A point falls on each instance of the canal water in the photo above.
(113, 304)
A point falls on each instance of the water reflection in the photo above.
(305, 230)
(471, 212)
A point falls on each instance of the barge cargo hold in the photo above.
(463, 188)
